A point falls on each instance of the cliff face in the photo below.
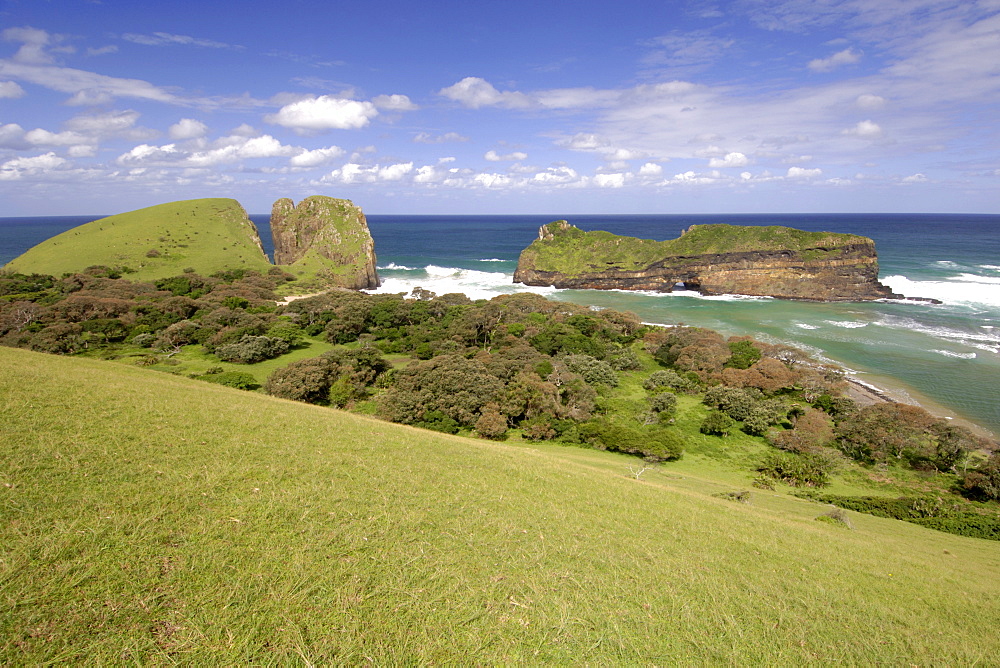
(327, 235)
(712, 259)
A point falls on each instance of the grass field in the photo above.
(149, 518)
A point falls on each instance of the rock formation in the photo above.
(325, 234)
(713, 259)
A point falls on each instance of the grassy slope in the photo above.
(208, 235)
(147, 517)
(574, 252)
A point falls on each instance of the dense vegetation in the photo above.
(515, 366)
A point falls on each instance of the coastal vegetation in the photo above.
(515, 367)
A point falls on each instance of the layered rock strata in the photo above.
(327, 234)
(713, 259)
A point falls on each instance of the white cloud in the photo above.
(165, 38)
(611, 180)
(355, 173)
(33, 44)
(803, 173)
(734, 159)
(264, 146)
(870, 102)
(864, 130)
(651, 169)
(40, 137)
(12, 136)
(324, 113)
(394, 103)
(33, 166)
(556, 176)
(102, 51)
(493, 156)
(426, 138)
(475, 92)
(107, 124)
(846, 57)
(493, 180)
(316, 157)
(10, 90)
(915, 178)
(187, 128)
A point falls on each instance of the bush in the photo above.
(241, 380)
(306, 380)
(252, 349)
(717, 423)
(983, 484)
(593, 370)
(797, 470)
(668, 378)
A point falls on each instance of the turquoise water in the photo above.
(948, 354)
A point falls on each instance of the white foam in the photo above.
(988, 340)
(948, 353)
(847, 324)
(492, 259)
(400, 267)
(802, 325)
(445, 280)
(961, 289)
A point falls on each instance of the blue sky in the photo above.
(515, 107)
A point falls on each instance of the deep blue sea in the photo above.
(944, 356)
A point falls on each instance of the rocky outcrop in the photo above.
(327, 235)
(712, 259)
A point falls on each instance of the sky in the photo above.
(544, 107)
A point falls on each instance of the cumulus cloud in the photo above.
(10, 90)
(318, 114)
(803, 173)
(556, 176)
(316, 157)
(34, 44)
(846, 57)
(915, 178)
(616, 180)
(734, 159)
(475, 92)
(187, 128)
(864, 130)
(394, 103)
(427, 138)
(493, 156)
(651, 169)
(32, 166)
(224, 150)
(355, 173)
(493, 180)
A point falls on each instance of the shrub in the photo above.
(593, 370)
(983, 484)
(241, 380)
(717, 423)
(492, 423)
(796, 470)
(743, 354)
(668, 378)
(252, 349)
(306, 380)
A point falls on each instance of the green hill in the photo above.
(207, 235)
(149, 518)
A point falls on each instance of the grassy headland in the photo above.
(152, 518)
(206, 235)
(571, 251)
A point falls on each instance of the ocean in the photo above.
(944, 356)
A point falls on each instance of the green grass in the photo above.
(149, 518)
(574, 252)
(207, 235)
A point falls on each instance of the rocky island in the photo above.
(766, 261)
(324, 242)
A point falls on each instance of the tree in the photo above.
(717, 423)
